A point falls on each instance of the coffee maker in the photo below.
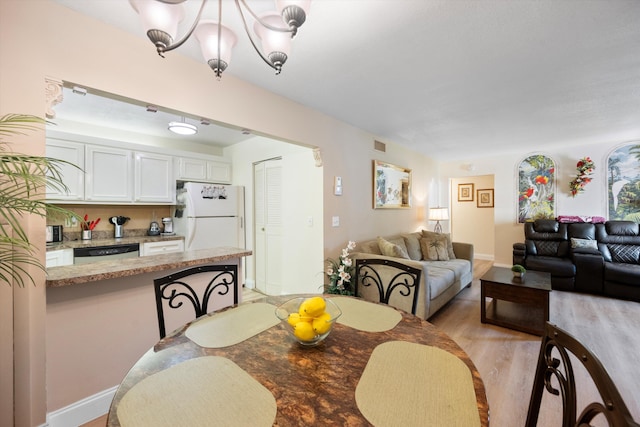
(167, 222)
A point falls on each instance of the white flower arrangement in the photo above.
(340, 272)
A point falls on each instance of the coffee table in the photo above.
(519, 304)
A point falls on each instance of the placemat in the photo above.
(366, 316)
(408, 384)
(207, 391)
(233, 326)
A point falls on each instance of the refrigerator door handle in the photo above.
(191, 227)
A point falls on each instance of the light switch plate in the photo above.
(335, 221)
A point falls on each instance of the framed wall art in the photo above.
(485, 198)
(391, 186)
(623, 183)
(465, 192)
(536, 188)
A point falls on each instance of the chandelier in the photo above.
(275, 30)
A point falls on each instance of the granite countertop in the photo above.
(102, 270)
(72, 244)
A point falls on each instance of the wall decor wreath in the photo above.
(585, 168)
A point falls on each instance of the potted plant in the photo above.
(23, 179)
(518, 270)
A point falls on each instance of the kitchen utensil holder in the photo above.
(86, 234)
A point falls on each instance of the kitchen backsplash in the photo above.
(141, 217)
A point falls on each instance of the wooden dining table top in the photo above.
(284, 367)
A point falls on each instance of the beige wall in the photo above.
(472, 224)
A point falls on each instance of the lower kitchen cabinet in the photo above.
(59, 258)
(159, 248)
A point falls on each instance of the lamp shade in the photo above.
(207, 35)
(438, 214)
(273, 41)
(157, 15)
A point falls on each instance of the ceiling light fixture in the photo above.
(183, 128)
(276, 30)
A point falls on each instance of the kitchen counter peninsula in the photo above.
(103, 270)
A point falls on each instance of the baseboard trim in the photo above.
(82, 411)
(484, 257)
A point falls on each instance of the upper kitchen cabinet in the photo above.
(109, 175)
(154, 182)
(72, 173)
(203, 170)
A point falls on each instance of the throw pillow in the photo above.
(390, 249)
(412, 242)
(434, 249)
(583, 243)
(447, 236)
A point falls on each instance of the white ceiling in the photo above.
(453, 79)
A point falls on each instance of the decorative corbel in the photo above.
(317, 156)
(53, 95)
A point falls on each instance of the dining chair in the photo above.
(388, 282)
(196, 285)
(554, 373)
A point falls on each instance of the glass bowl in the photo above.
(319, 327)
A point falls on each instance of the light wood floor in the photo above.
(506, 359)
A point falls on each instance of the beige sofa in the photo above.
(440, 281)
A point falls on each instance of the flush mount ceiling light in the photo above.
(183, 128)
(160, 19)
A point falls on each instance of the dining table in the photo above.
(240, 366)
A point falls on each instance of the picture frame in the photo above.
(465, 192)
(391, 186)
(485, 198)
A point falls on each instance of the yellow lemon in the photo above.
(293, 318)
(313, 307)
(322, 323)
(304, 331)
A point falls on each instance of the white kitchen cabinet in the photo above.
(59, 258)
(72, 176)
(154, 181)
(109, 174)
(159, 248)
(191, 169)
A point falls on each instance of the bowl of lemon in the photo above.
(308, 320)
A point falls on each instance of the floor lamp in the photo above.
(438, 214)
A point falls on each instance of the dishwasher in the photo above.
(105, 253)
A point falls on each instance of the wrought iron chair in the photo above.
(550, 367)
(388, 282)
(176, 289)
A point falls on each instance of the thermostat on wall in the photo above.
(337, 186)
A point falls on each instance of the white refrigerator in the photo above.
(210, 215)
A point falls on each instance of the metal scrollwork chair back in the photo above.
(552, 372)
(175, 289)
(387, 277)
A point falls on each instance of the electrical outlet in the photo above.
(335, 221)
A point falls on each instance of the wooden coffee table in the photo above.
(522, 305)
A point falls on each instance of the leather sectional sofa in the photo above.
(584, 257)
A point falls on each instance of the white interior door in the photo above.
(268, 226)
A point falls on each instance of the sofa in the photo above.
(446, 269)
(602, 258)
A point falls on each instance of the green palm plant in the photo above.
(23, 179)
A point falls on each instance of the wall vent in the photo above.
(380, 146)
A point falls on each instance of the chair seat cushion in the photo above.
(556, 266)
(622, 273)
